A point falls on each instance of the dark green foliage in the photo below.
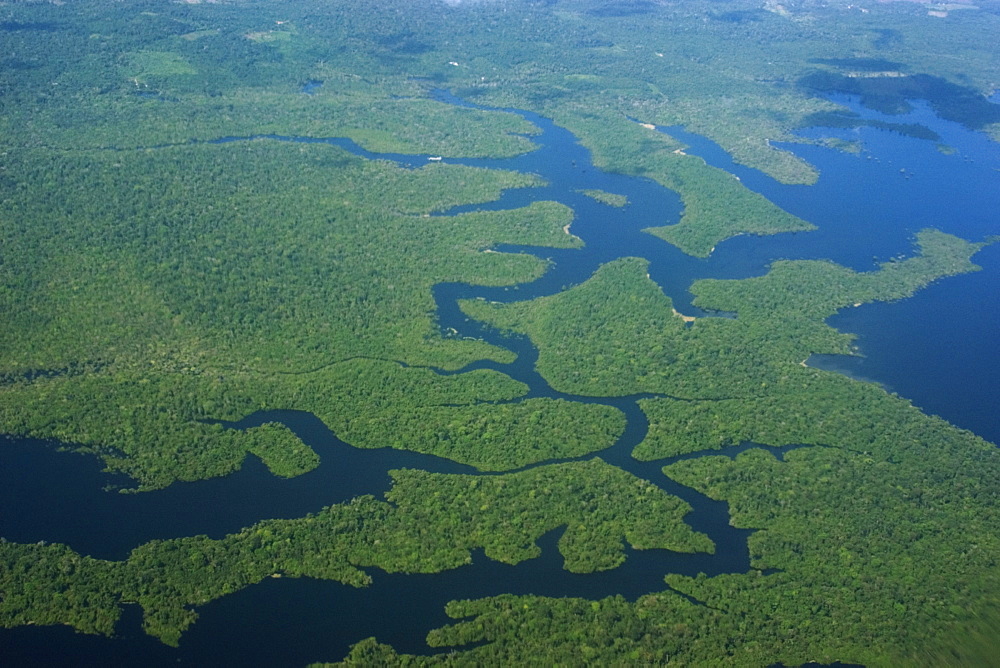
(51, 584)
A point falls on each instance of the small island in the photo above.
(604, 197)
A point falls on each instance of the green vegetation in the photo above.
(810, 407)
(274, 254)
(51, 584)
(372, 404)
(152, 281)
(153, 75)
(493, 437)
(280, 450)
(209, 292)
(611, 630)
(730, 380)
(429, 523)
(970, 644)
(835, 119)
(880, 530)
(604, 197)
(813, 290)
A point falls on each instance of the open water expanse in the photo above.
(939, 348)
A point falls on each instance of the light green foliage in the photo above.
(430, 523)
(604, 197)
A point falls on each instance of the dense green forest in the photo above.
(155, 280)
(239, 283)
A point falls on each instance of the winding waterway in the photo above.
(867, 207)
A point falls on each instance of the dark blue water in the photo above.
(941, 347)
(938, 348)
(868, 205)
